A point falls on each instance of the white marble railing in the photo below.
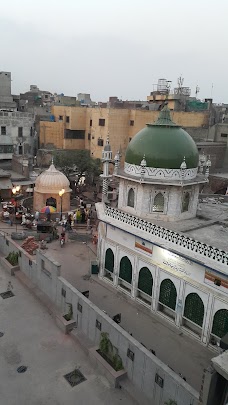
(165, 234)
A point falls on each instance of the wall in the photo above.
(45, 274)
(51, 133)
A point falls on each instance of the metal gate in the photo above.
(194, 309)
(168, 294)
(109, 260)
(145, 282)
(125, 269)
(220, 323)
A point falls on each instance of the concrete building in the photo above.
(158, 246)
(6, 99)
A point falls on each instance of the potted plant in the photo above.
(10, 263)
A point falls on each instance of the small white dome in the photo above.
(52, 181)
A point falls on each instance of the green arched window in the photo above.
(109, 260)
(125, 269)
(168, 294)
(159, 202)
(185, 201)
(131, 198)
(220, 323)
(194, 309)
(145, 282)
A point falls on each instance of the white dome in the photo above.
(52, 181)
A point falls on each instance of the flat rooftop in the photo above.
(32, 339)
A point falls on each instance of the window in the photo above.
(145, 282)
(6, 148)
(46, 96)
(224, 135)
(168, 294)
(130, 139)
(3, 130)
(67, 119)
(20, 132)
(132, 123)
(185, 201)
(220, 323)
(60, 118)
(125, 270)
(131, 198)
(31, 131)
(100, 142)
(194, 309)
(101, 122)
(109, 260)
(20, 150)
(89, 137)
(159, 202)
(74, 134)
(90, 123)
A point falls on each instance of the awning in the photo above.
(23, 182)
(5, 184)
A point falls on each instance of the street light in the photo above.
(61, 192)
(15, 190)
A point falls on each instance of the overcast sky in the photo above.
(115, 47)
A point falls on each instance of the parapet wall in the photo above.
(148, 374)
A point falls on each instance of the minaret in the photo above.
(106, 159)
(116, 162)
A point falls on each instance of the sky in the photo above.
(115, 47)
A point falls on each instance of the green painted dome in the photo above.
(164, 145)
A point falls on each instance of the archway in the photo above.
(51, 202)
(185, 201)
(167, 298)
(125, 273)
(193, 312)
(145, 285)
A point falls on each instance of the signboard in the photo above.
(143, 245)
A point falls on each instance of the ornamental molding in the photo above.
(192, 245)
(159, 173)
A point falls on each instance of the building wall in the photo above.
(121, 124)
(12, 121)
(187, 276)
(51, 133)
(39, 201)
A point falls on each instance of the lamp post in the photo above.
(61, 192)
(15, 190)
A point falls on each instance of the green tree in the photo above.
(78, 161)
(170, 402)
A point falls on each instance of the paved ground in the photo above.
(182, 353)
(31, 338)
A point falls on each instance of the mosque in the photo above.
(157, 246)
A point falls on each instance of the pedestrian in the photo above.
(78, 216)
(37, 214)
(49, 217)
(74, 218)
(9, 286)
(83, 215)
(88, 221)
(81, 202)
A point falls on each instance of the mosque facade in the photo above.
(142, 249)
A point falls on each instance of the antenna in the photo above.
(197, 90)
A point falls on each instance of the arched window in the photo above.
(145, 282)
(109, 260)
(125, 269)
(185, 201)
(220, 323)
(194, 309)
(159, 202)
(131, 198)
(168, 294)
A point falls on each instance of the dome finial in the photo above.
(164, 117)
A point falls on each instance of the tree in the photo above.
(78, 161)
(170, 402)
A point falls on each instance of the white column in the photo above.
(156, 289)
(205, 337)
(180, 304)
(116, 267)
(135, 276)
(102, 257)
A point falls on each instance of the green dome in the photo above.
(164, 145)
